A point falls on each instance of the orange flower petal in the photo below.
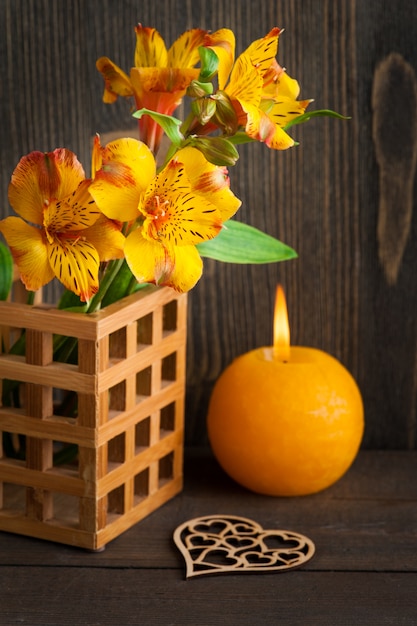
(259, 126)
(279, 140)
(187, 269)
(40, 177)
(262, 52)
(75, 213)
(107, 239)
(29, 251)
(161, 80)
(245, 82)
(277, 84)
(150, 48)
(76, 264)
(128, 166)
(184, 51)
(174, 214)
(116, 82)
(210, 181)
(284, 110)
(149, 261)
(152, 262)
(222, 42)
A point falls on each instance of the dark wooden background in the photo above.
(343, 199)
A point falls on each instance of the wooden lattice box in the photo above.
(128, 382)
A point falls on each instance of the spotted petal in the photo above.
(75, 264)
(150, 48)
(74, 213)
(260, 127)
(285, 109)
(262, 52)
(245, 82)
(210, 181)
(40, 177)
(28, 247)
(184, 51)
(279, 140)
(174, 214)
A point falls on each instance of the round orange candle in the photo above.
(285, 420)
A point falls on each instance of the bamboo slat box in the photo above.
(129, 380)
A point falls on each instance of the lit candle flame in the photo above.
(281, 327)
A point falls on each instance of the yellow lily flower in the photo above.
(263, 96)
(159, 78)
(60, 231)
(169, 213)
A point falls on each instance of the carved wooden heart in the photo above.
(217, 544)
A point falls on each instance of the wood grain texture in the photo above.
(394, 104)
(321, 197)
(108, 598)
(363, 572)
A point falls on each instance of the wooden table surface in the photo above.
(364, 571)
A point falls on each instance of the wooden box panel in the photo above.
(129, 383)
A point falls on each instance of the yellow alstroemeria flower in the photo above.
(159, 78)
(170, 212)
(60, 232)
(263, 96)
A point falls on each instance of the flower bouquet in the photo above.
(127, 243)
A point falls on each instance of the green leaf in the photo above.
(320, 113)
(6, 271)
(241, 243)
(171, 125)
(69, 300)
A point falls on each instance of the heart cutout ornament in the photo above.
(219, 544)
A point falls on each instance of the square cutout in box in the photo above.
(65, 457)
(167, 419)
(116, 500)
(169, 368)
(116, 451)
(165, 469)
(170, 317)
(65, 404)
(141, 484)
(145, 331)
(144, 382)
(143, 434)
(117, 399)
(117, 345)
(14, 497)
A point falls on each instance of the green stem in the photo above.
(109, 275)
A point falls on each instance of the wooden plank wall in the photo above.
(344, 198)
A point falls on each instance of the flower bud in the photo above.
(203, 109)
(217, 150)
(197, 89)
(225, 117)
